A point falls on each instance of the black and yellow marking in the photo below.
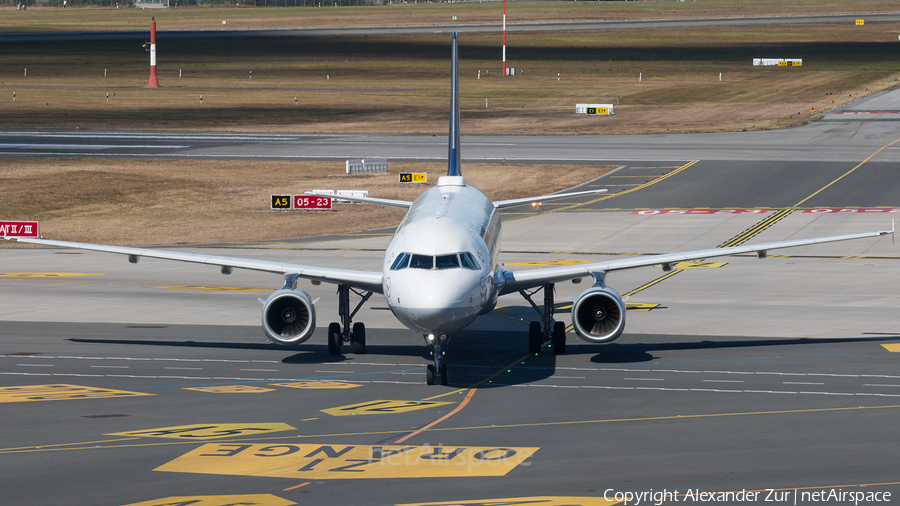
(413, 177)
(342, 461)
(232, 389)
(61, 392)
(46, 274)
(756, 229)
(382, 407)
(208, 431)
(217, 500)
(317, 385)
(203, 288)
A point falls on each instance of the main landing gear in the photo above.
(547, 329)
(437, 372)
(340, 333)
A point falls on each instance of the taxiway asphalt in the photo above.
(152, 384)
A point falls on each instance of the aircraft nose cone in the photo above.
(433, 294)
(437, 306)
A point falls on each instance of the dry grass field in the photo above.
(152, 202)
(421, 13)
(662, 80)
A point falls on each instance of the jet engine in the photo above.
(598, 314)
(288, 316)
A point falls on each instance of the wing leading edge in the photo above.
(520, 280)
(366, 280)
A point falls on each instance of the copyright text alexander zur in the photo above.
(796, 496)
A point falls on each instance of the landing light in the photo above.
(430, 338)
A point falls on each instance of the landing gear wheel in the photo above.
(358, 338)
(559, 338)
(335, 339)
(444, 378)
(535, 339)
(429, 374)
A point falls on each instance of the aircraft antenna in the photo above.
(453, 161)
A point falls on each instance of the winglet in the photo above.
(453, 163)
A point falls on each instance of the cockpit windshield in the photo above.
(463, 260)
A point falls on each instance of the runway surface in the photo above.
(74, 36)
(847, 134)
(152, 384)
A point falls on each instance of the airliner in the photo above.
(441, 271)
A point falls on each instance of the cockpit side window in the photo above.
(401, 262)
(421, 262)
(446, 261)
(468, 261)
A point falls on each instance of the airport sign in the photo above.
(281, 201)
(413, 177)
(311, 202)
(19, 229)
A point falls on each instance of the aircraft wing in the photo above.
(520, 280)
(513, 202)
(366, 280)
(366, 200)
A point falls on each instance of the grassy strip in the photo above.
(210, 18)
(145, 202)
(399, 83)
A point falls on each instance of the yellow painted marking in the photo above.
(847, 173)
(640, 306)
(892, 347)
(461, 390)
(524, 501)
(699, 265)
(341, 461)
(623, 192)
(232, 389)
(381, 407)
(208, 431)
(35, 393)
(549, 263)
(317, 385)
(45, 274)
(200, 288)
(217, 500)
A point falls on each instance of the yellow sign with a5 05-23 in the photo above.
(413, 177)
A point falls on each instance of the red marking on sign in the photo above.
(311, 202)
(19, 229)
(851, 210)
(657, 212)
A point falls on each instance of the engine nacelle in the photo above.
(598, 315)
(288, 316)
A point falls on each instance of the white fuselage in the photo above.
(441, 266)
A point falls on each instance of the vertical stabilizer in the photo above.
(453, 163)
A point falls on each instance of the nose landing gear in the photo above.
(437, 371)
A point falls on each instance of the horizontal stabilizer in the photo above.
(542, 198)
(366, 200)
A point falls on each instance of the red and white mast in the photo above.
(504, 38)
(153, 82)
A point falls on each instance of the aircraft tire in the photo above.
(535, 340)
(335, 340)
(358, 338)
(559, 338)
(429, 374)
